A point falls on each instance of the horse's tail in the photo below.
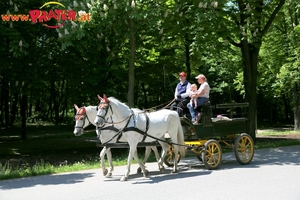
(180, 139)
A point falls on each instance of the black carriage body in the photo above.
(221, 128)
(213, 129)
(209, 127)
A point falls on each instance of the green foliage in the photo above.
(60, 67)
(279, 66)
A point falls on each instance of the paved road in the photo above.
(273, 174)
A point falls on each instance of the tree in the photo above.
(244, 24)
(280, 56)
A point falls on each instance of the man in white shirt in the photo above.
(202, 96)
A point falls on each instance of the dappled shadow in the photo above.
(57, 179)
(152, 178)
(274, 156)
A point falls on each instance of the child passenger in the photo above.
(194, 98)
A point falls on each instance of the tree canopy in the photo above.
(133, 50)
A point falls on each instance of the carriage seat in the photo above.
(205, 114)
(204, 106)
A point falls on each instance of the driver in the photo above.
(182, 92)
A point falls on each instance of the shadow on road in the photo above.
(45, 180)
(275, 156)
(184, 171)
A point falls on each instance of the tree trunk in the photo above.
(14, 109)
(51, 99)
(296, 108)
(146, 104)
(131, 81)
(187, 57)
(250, 58)
(287, 109)
(5, 100)
(23, 116)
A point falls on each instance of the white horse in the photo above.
(83, 118)
(138, 127)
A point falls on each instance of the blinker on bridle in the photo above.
(81, 118)
(104, 108)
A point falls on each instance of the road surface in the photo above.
(273, 174)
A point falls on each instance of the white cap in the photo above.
(200, 76)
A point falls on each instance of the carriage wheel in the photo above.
(212, 154)
(244, 149)
(169, 158)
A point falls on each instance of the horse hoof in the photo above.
(139, 170)
(105, 171)
(161, 169)
(108, 175)
(146, 173)
(124, 178)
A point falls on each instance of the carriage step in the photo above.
(126, 145)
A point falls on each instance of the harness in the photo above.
(125, 128)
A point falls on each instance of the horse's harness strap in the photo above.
(134, 128)
(112, 128)
(119, 131)
(147, 135)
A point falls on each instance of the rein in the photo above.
(120, 121)
(106, 122)
(154, 107)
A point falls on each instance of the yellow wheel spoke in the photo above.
(244, 149)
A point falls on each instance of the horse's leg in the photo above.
(154, 148)
(132, 154)
(157, 156)
(175, 159)
(132, 150)
(102, 154)
(142, 166)
(147, 154)
(164, 151)
(109, 158)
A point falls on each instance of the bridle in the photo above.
(82, 118)
(106, 109)
(112, 127)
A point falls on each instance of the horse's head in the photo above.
(80, 119)
(102, 111)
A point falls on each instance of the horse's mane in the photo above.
(90, 108)
(117, 101)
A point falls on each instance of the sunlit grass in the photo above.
(41, 168)
(277, 133)
(8, 171)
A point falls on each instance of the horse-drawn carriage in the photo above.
(206, 138)
(173, 133)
